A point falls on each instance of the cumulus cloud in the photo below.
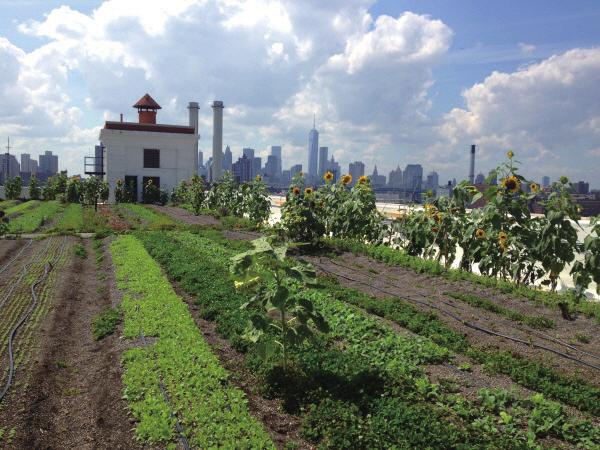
(547, 112)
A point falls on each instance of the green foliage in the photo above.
(225, 196)
(12, 188)
(32, 219)
(255, 201)
(300, 219)
(94, 190)
(71, 219)
(34, 188)
(153, 220)
(196, 194)
(73, 190)
(3, 223)
(588, 270)
(151, 193)
(264, 271)
(105, 323)
(180, 192)
(79, 250)
(213, 413)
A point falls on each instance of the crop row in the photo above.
(212, 412)
(400, 258)
(149, 219)
(362, 372)
(32, 219)
(20, 207)
(5, 204)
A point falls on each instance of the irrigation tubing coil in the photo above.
(34, 301)
(459, 319)
(14, 258)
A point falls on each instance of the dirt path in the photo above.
(381, 280)
(74, 396)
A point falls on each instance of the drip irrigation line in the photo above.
(466, 323)
(163, 390)
(528, 330)
(34, 301)
(7, 265)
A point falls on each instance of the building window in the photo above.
(151, 158)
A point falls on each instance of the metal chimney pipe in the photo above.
(193, 122)
(472, 167)
(217, 153)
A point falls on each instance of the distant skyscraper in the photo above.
(227, 159)
(357, 170)
(276, 151)
(285, 177)
(376, 179)
(295, 170)
(200, 158)
(413, 177)
(332, 166)
(256, 166)
(480, 178)
(242, 169)
(248, 152)
(545, 181)
(323, 160)
(395, 178)
(271, 168)
(433, 181)
(493, 178)
(25, 163)
(14, 168)
(33, 166)
(313, 152)
(48, 163)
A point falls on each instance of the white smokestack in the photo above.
(217, 154)
(472, 167)
(193, 116)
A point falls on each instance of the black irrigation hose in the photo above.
(11, 363)
(163, 390)
(7, 265)
(535, 332)
(466, 323)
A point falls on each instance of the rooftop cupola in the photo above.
(147, 108)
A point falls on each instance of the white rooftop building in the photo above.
(136, 152)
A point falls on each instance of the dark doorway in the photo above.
(131, 188)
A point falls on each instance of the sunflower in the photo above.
(296, 190)
(510, 154)
(534, 187)
(435, 229)
(363, 179)
(511, 184)
(308, 190)
(328, 176)
(502, 237)
(479, 233)
(347, 179)
(438, 217)
(258, 178)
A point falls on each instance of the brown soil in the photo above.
(183, 215)
(381, 280)
(74, 395)
(282, 427)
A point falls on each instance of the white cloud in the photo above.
(526, 49)
(547, 112)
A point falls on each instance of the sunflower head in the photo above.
(258, 178)
(534, 187)
(308, 190)
(296, 190)
(328, 176)
(511, 184)
(479, 233)
(347, 179)
(502, 237)
(363, 179)
(510, 154)
(564, 180)
(438, 217)
(435, 229)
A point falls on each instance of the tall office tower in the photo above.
(413, 177)
(25, 163)
(200, 158)
(357, 170)
(433, 181)
(271, 168)
(276, 151)
(248, 152)
(295, 170)
(334, 167)
(9, 165)
(480, 178)
(48, 163)
(313, 153)
(242, 169)
(545, 181)
(472, 166)
(33, 166)
(227, 159)
(376, 179)
(323, 160)
(256, 166)
(217, 155)
(286, 177)
(395, 178)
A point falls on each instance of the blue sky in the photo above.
(392, 82)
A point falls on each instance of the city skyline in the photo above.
(389, 81)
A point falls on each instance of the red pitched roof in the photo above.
(147, 102)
